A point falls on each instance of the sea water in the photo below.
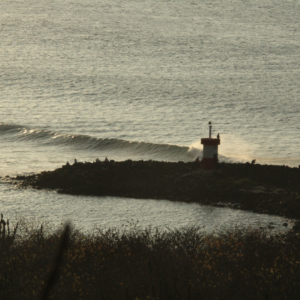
(141, 80)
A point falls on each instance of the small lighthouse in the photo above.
(210, 151)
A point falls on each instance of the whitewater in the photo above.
(141, 80)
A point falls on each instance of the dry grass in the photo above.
(150, 264)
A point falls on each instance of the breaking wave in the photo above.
(41, 137)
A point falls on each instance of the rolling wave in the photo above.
(113, 146)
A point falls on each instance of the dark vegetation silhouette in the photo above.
(148, 264)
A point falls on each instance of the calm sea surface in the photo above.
(141, 79)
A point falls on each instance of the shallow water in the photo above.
(87, 212)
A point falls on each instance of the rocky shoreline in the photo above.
(259, 188)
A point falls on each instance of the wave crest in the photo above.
(109, 145)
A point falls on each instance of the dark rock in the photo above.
(259, 188)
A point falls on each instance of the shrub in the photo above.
(152, 264)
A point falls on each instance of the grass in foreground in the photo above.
(149, 264)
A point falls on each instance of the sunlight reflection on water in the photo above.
(86, 212)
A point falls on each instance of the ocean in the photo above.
(141, 80)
